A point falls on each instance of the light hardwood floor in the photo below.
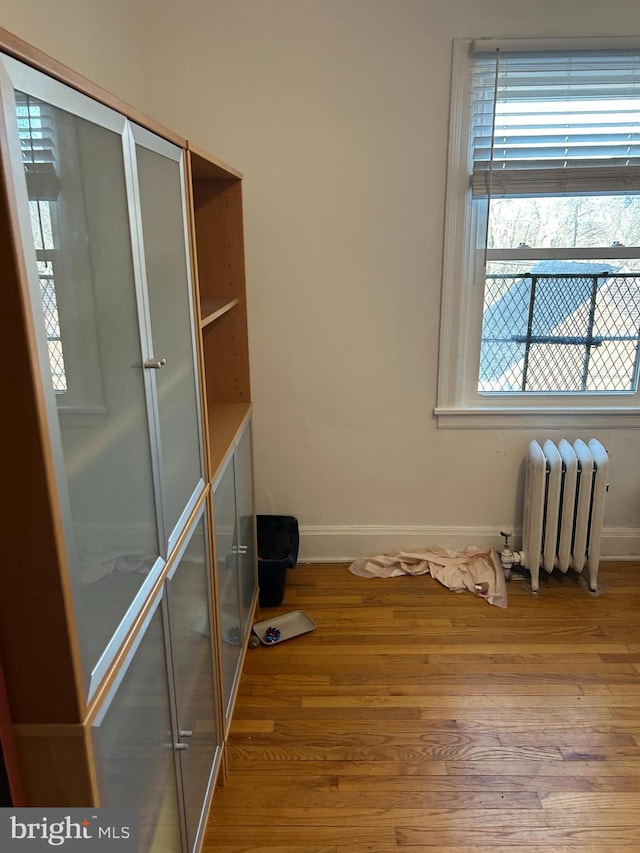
(414, 718)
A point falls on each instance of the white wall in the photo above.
(98, 38)
(336, 111)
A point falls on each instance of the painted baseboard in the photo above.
(340, 544)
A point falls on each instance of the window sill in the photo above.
(82, 416)
(551, 417)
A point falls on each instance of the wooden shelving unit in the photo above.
(218, 260)
(212, 309)
(56, 731)
(217, 246)
(226, 421)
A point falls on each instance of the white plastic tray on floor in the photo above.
(289, 624)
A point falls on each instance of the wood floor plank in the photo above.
(441, 818)
(540, 785)
(583, 767)
(299, 835)
(260, 768)
(434, 838)
(461, 701)
(560, 800)
(364, 802)
(412, 718)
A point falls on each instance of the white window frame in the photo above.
(459, 404)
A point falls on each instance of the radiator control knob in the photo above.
(506, 533)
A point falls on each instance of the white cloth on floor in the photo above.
(94, 566)
(477, 569)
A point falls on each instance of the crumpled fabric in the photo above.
(95, 566)
(475, 569)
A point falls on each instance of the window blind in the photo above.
(37, 139)
(555, 123)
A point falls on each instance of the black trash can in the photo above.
(278, 542)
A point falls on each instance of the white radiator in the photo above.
(565, 486)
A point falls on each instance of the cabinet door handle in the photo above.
(155, 363)
(186, 733)
(181, 746)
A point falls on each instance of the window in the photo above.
(36, 132)
(541, 284)
(58, 180)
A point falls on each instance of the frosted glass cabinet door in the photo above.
(85, 302)
(196, 693)
(226, 546)
(168, 285)
(133, 747)
(246, 527)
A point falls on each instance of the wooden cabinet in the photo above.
(235, 561)
(218, 255)
(218, 246)
(124, 335)
(157, 735)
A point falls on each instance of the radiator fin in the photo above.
(568, 502)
